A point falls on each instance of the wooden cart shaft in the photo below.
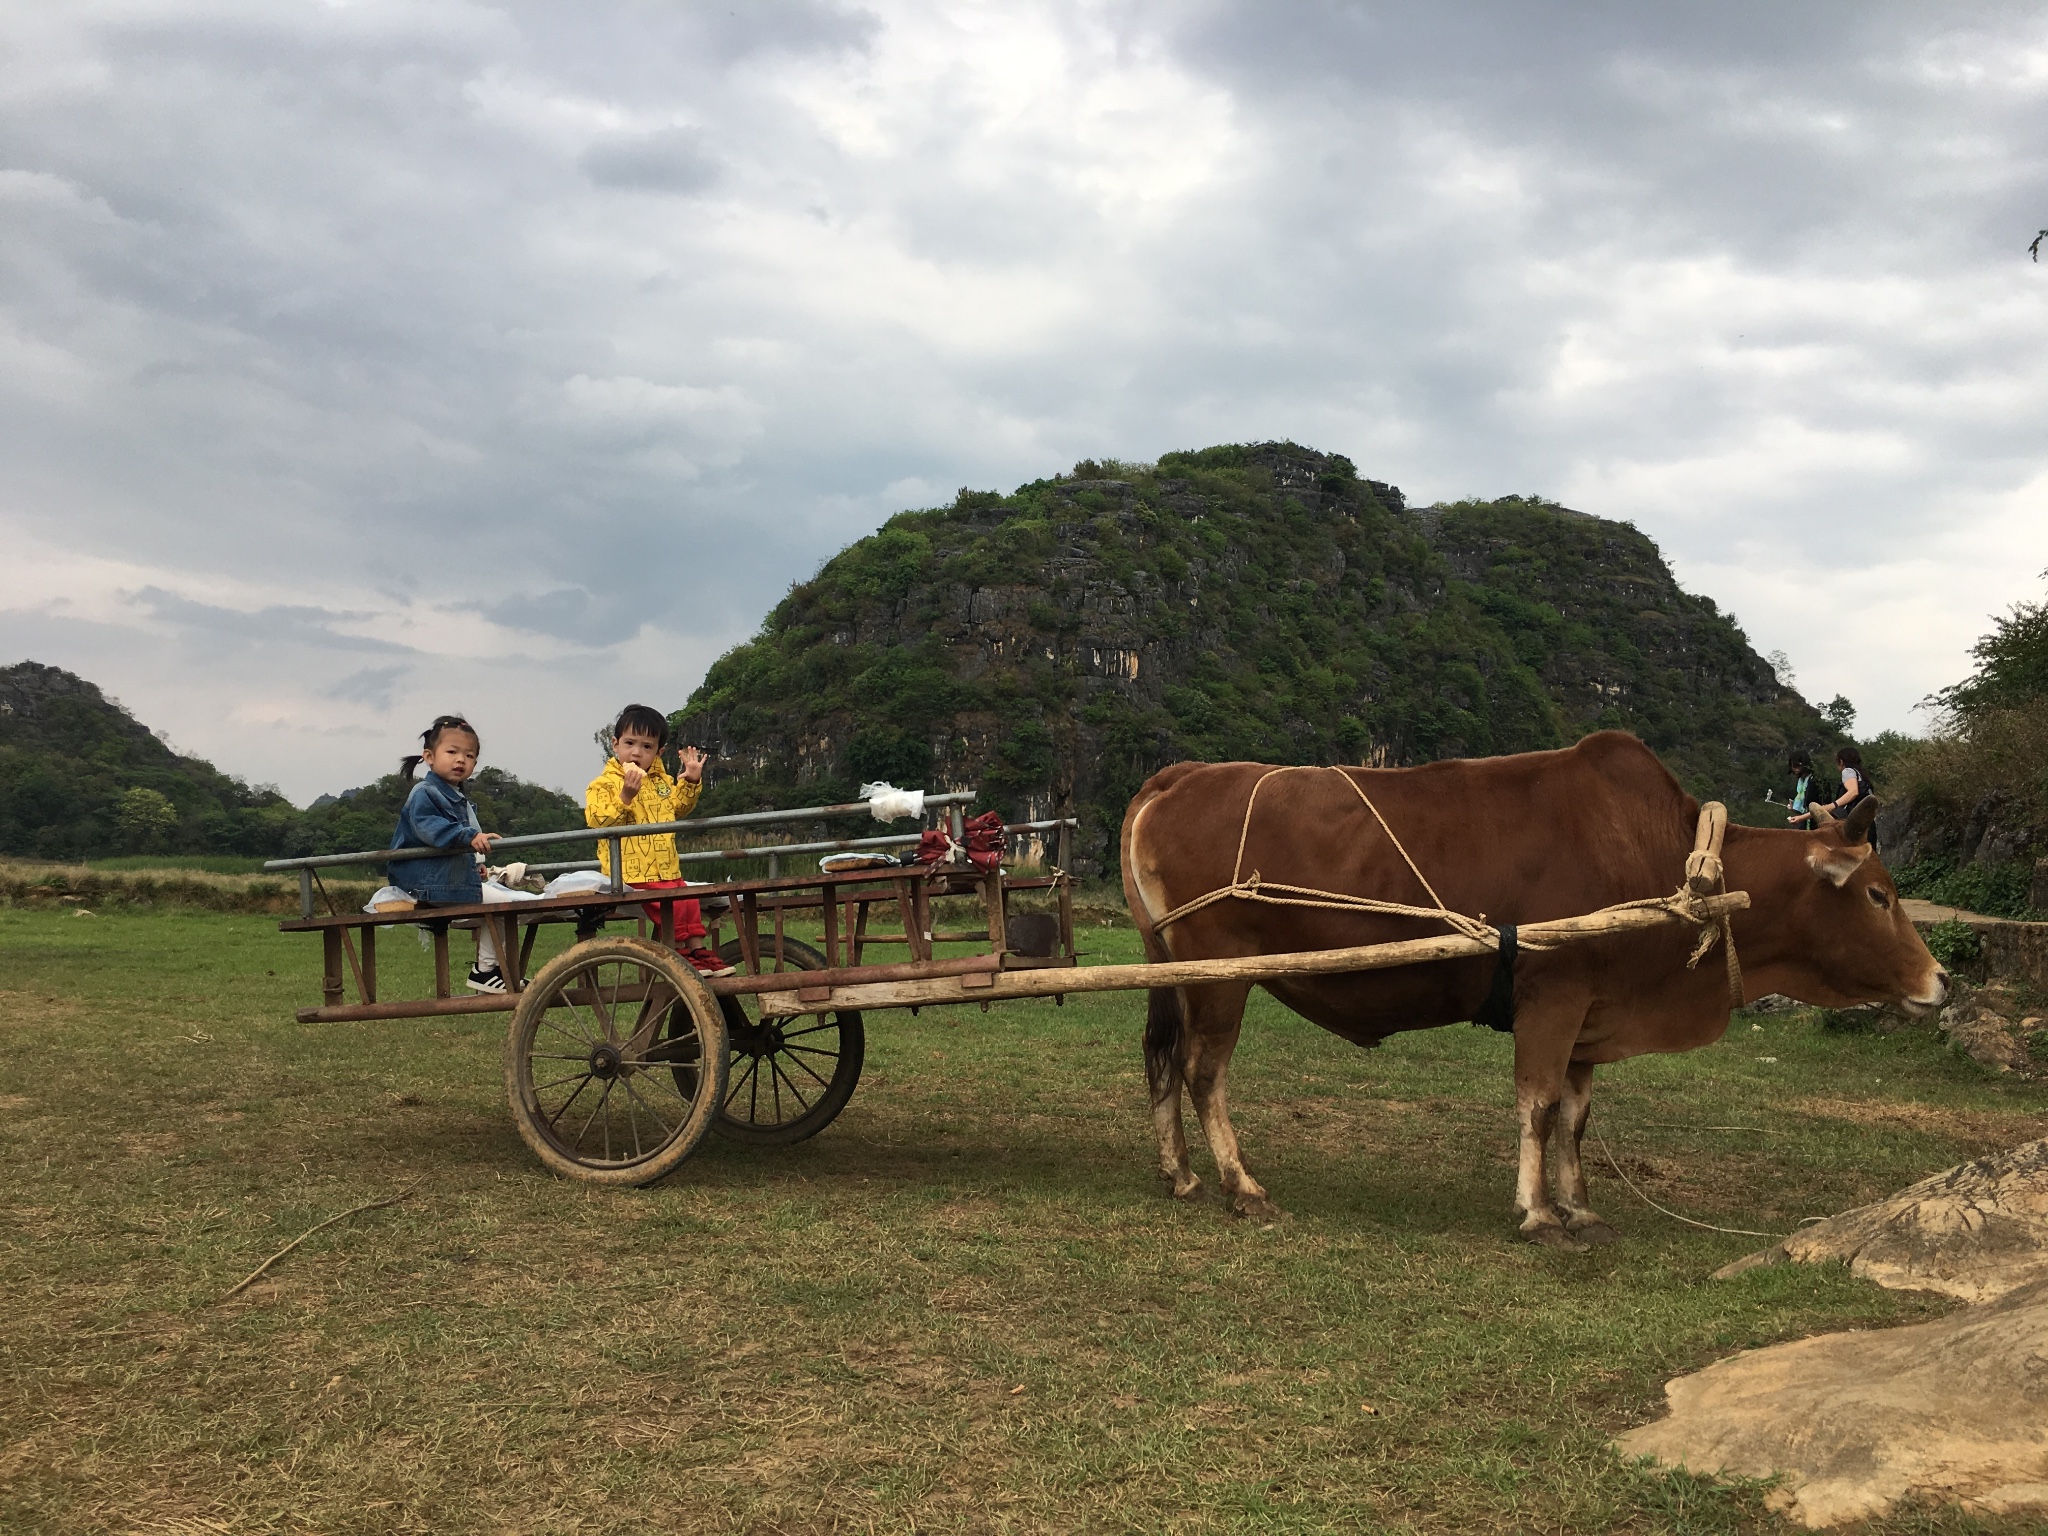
(993, 986)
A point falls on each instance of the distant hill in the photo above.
(82, 778)
(1056, 646)
(69, 754)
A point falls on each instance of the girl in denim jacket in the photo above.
(437, 814)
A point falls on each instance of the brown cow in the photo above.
(1522, 839)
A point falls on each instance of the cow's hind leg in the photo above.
(1546, 1029)
(1214, 1015)
(1580, 1219)
(1165, 1035)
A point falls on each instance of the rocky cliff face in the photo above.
(1056, 646)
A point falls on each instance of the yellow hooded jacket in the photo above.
(662, 797)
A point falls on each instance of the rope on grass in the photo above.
(372, 1205)
(1653, 1205)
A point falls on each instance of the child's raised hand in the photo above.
(483, 840)
(693, 764)
(632, 776)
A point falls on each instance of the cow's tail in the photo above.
(1163, 1015)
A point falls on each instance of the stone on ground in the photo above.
(1955, 1409)
(1975, 1232)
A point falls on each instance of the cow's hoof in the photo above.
(1552, 1235)
(1595, 1233)
(1187, 1189)
(1256, 1208)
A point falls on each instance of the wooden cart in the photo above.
(620, 1058)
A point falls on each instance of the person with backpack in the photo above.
(1856, 788)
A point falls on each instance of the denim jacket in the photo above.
(437, 815)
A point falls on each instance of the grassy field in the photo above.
(966, 1307)
(207, 863)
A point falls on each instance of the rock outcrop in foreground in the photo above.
(1855, 1422)
(1976, 1232)
(1949, 1410)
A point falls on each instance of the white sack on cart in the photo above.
(578, 882)
(888, 803)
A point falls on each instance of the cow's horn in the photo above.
(1856, 828)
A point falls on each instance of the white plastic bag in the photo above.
(578, 882)
(888, 803)
(389, 898)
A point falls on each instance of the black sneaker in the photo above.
(491, 981)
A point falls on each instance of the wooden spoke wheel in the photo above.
(789, 1077)
(615, 1062)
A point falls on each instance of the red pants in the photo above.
(689, 921)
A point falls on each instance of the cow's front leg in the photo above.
(1546, 1029)
(1214, 1016)
(1580, 1219)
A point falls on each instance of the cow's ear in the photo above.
(1834, 864)
(1856, 829)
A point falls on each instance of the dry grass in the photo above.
(36, 885)
(834, 1337)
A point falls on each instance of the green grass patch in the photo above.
(209, 863)
(966, 1306)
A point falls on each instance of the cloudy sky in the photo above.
(364, 360)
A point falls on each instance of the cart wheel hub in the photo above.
(604, 1061)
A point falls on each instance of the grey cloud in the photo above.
(576, 614)
(279, 625)
(374, 686)
(305, 297)
(671, 160)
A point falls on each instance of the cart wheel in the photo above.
(789, 1078)
(605, 1062)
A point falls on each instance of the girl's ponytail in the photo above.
(408, 766)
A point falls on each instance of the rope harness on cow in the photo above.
(1704, 876)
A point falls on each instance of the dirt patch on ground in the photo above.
(1935, 1119)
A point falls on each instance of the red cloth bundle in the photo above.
(985, 841)
(984, 844)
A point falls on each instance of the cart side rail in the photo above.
(615, 837)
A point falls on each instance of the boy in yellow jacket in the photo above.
(636, 789)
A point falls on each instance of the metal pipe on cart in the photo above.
(614, 842)
(591, 834)
(773, 850)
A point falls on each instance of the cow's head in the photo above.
(1851, 941)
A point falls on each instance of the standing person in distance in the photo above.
(1800, 766)
(636, 789)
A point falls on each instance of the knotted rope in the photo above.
(1704, 875)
